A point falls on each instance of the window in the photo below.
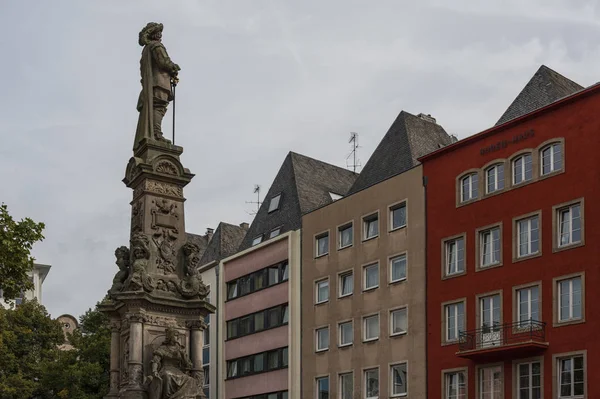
(522, 169)
(322, 244)
(322, 339)
(571, 374)
(274, 203)
(398, 216)
(205, 355)
(346, 284)
(346, 236)
(469, 187)
(494, 178)
(455, 256)
(529, 380)
(323, 388)
(372, 384)
(551, 158)
(569, 225)
(257, 363)
(570, 299)
(398, 322)
(258, 280)
(257, 240)
(371, 226)
(249, 324)
(489, 247)
(346, 386)
(398, 380)
(371, 328)
(322, 291)
(335, 197)
(206, 388)
(528, 306)
(275, 232)
(455, 320)
(346, 333)
(272, 395)
(398, 268)
(455, 386)
(528, 234)
(371, 276)
(490, 382)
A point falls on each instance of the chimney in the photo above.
(209, 233)
(427, 117)
(244, 225)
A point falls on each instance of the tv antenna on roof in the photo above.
(257, 202)
(355, 162)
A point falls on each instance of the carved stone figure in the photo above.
(122, 255)
(171, 366)
(157, 72)
(139, 279)
(192, 285)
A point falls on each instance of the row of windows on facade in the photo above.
(521, 170)
(271, 395)
(569, 232)
(527, 305)
(259, 321)
(258, 280)
(274, 204)
(370, 229)
(370, 383)
(258, 363)
(370, 274)
(398, 321)
(569, 383)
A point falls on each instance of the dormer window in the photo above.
(334, 196)
(274, 203)
(257, 240)
(275, 232)
(494, 178)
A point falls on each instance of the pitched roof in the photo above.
(201, 241)
(545, 87)
(409, 138)
(224, 242)
(304, 184)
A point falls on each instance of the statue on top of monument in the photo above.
(158, 72)
(123, 261)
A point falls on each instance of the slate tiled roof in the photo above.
(225, 241)
(304, 184)
(545, 87)
(409, 138)
(201, 241)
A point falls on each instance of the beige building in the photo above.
(363, 276)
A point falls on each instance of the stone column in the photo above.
(136, 373)
(115, 328)
(197, 328)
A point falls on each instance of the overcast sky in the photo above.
(258, 79)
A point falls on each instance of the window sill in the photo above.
(345, 247)
(450, 276)
(567, 247)
(370, 341)
(370, 288)
(400, 334)
(370, 238)
(345, 296)
(322, 255)
(345, 345)
(399, 395)
(568, 322)
(397, 228)
(488, 267)
(527, 257)
(448, 343)
(400, 280)
(550, 174)
(321, 350)
(321, 303)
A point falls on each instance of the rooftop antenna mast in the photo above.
(355, 162)
(257, 202)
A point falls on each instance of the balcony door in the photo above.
(490, 383)
(489, 316)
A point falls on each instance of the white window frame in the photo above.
(340, 324)
(480, 371)
(527, 322)
(365, 373)
(492, 247)
(366, 221)
(460, 267)
(571, 305)
(318, 344)
(529, 240)
(318, 238)
(317, 380)
(349, 226)
(364, 323)
(276, 230)
(473, 187)
(274, 203)
(497, 183)
(559, 373)
(449, 382)
(400, 257)
(341, 384)
(401, 394)
(530, 374)
(341, 277)
(551, 147)
(257, 240)
(521, 171)
(568, 210)
(317, 290)
(394, 208)
(455, 327)
(392, 312)
(369, 266)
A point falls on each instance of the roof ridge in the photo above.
(320, 161)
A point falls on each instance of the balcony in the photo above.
(503, 341)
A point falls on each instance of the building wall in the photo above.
(409, 293)
(578, 124)
(209, 277)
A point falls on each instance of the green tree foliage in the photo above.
(16, 241)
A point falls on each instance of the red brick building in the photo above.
(512, 258)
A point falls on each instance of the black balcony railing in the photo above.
(489, 337)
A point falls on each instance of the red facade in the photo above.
(530, 320)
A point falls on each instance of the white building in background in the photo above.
(37, 275)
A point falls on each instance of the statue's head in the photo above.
(140, 246)
(151, 32)
(171, 336)
(122, 255)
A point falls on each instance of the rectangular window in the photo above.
(275, 232)
(551, 158)
(323, 388)
(257, 280)
(346, 386)
(346, 333)
(528, 235)
(274, 203)
(206, 355)
(322, 245)
(469, 187)
(569, 225)
(490, 382)
(455, 256)
(398, 268)
(489, 247)
(257, 363)
(322, 339)
(346, 284)
(528, 306)
(494, 178)
(398, 216)
(571, 377)
(371, 226)
(346, 236)
(529, 380)
(522, 169)
(455, 386)
(371, 276)
(455, 320)
(372, 384)
(322, 291)
(570, 299)
(371, 328)
(232, 291)
(398, 321)
(258, 321)
(257, 240)
(398, 380)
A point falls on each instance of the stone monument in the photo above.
(157, 302)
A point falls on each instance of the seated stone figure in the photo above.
(170, 367)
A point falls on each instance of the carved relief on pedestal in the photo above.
(164, 321)
(137, 216)
(166, 286)
(165, 220)
(192, 285)
(123, 262)
(166, 167)
(125, 362)
(140, 252)
(164, 188)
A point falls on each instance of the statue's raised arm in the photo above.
(158, 71)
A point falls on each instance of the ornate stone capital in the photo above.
(137, 317)
(196, 325)
(115, 325)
